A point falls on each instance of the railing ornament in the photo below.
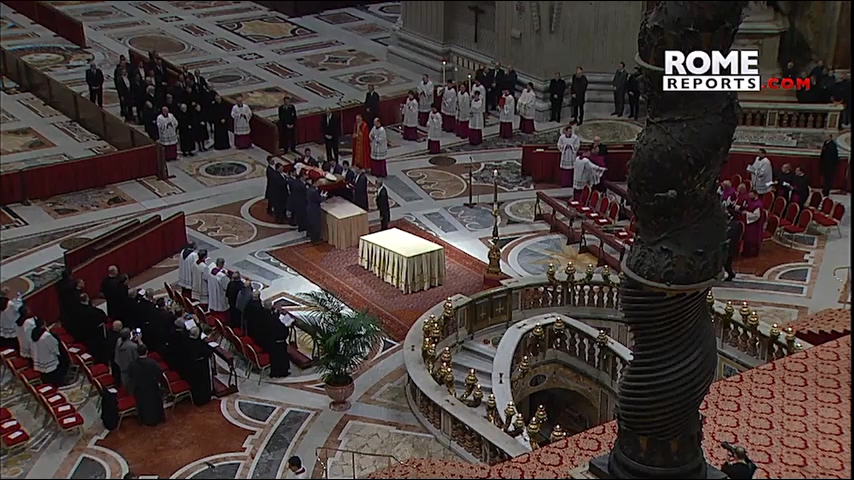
(790, 340)
(550, 274)
(449, 382)
(606, 275)
(476, 397)
(588, 273)
(710, 301)
(570, 272)
(533, 432)
(557, 434)
(492, 411)
(439, 373)
(524, 366)
(447, 311)
(774, 333)
(541, 415)
(471, 382)
(602, 338)
(509, 414)
(446, 356)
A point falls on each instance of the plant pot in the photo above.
(339, 395)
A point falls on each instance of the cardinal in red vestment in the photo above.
(361, 144)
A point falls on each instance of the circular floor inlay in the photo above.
(159, 44)
(73, 242)
(225, 169)
(443, 161)
(225, 79)
(371, 79)
(610, 131)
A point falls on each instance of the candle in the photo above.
(495, 187)
(443, 71)
(469, 89)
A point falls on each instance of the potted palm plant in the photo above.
(344, 338)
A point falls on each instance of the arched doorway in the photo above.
(567, 408)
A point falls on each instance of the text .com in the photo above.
(731, 83)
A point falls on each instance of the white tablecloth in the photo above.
(343, 222)
(402, 259)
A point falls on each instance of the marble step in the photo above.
(460, 374)
(481, 350)
(467, 359)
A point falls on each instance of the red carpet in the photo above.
(771, 254)
(338, 272)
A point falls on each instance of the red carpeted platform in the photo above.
(338, 272)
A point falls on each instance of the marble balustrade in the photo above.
(815, 116)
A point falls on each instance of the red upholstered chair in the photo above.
(594, 200)
(736, 180)
(613, 212)
(771, 227)
(169, 291)
(603, 205)
(15, 442)
(28, 376)
(831, 221)
(791, 215)
(261, 361)
(778, 206)
(748, 184)
(741, 236)
(767, 200)
(5, 414)
(585, 195)
(801, 226)
(176, 388)
(15, 363)
(815, 199)
(824, 207)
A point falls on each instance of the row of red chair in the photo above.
(13, 437)
(599, 208)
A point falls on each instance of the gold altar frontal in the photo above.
(343, 222)
(402, 259)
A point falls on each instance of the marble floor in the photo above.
(251, 434)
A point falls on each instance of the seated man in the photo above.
(308, 159)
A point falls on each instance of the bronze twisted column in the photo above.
(678, 252)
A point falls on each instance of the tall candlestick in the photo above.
(443, 71)
(469, 89)
(495, 188)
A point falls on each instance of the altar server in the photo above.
(185, 269)
(426, 95)
(586, 173)
(379, 149)
(463, 111)
(434, 132)
(167, 134)
(507, 112)
(242, 114)
(527, 109)
(568, 144)
(217, 285)
(200, 280)
(761, 173)
(476, 120)
(410, 118)
(449, 107)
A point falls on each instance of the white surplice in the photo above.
(449, 101)
(200, 282)
(761, 174)
(241, 117)
(379, 143)
(217, 283)
(568, 147)
(167, 127)
(426, 96)
(185, 270)
(478, 88)
(476, 120)
(434, 126)
(508, 111)
(410, 113)
(463, 107)
(526, 104)
(586, 173)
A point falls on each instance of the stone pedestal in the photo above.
(598, 468)
(761, 30)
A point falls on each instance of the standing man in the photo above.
(449, 107)
(511, 79)
(733, 235)
(271, 174)
(383, 205)
(296, 201)
(426, 96)
(95, 80)
(379, 149)
(527, 109)
(185, 269)
(217, 285)
(476, 120)
(761, 173)
(314, 219)
(125, 90)
(557, 88)
(619, 84)
(288, 126)
(463, 111)
(330, 125)
(491, 93)
(828, 162)
(200, 280)
(144, 376)
(633, 88)
(578, 95)
(507, 112)
(434, 132)
(372, 105)
(360, 189)
(242, 114)
(568, 144)
(167, 134)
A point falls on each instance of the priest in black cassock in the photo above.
(187, 140)
(220, 113)
(296, 201)
(257, 320)
(280, 194)
(360, 189)
(280, 361)
(87, 325)
(314, 219)
(200, 128)
(235, 285)
(270, 173)
(198, 370)
(145, 375)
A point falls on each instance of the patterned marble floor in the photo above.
(220, 192)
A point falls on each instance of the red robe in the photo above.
(361, 146)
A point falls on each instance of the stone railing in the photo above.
(587, 296)
(790, 115)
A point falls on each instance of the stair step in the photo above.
(468, 360)
(478, 348)
(485, 379)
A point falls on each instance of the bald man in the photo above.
(110, 289)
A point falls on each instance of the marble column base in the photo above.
(598, 468)
(419, 54)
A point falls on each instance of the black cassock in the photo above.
(200, 128)
(296, 202)
(280, 361)
(258, 322)
(312, 212)
(89, 322)
(220, 114)
(145, 377)
(149, 122)
(360, 192)
(186, 132)
(279, 196)
(198, 370)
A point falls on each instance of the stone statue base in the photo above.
(598, 468)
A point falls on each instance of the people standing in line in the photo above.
(372, 105)
(493, 91)
(463, 111)
(511, 78)
(449, 107)
(379, 149)
(330, 126)
(280, 195)
(270, 173)
(95, 81)
(242, 115)
(185, 269)
(167, 134)
(186, 134)
(761, 173)
(568, 144)
(476, 122)
(828, 162)
(383, 204)
(287, 126)
(426, 97)
(200, 279)
(619, 85)
(410, 117)
(633, 89)
(314, 220)
(527, 109)
(200, 128)
(124, 90)
(434, 132)
(217, 284)
(557, 89)
(296, 200)
(578, 95)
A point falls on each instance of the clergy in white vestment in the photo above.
(585, 173)
(476, 119)
(478, 87)
(200, 279)
(434, 131)
(568, 144)
(449, 107)
(185, 269)
(410, 118)
(426, 96)
(761, 173)
(463, 111)
(527, 109)
(242, 114)
(167, 130)
(217, 285)
(506, 113)
(379, 149)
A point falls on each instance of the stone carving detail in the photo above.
(557, 10)
(535, 16)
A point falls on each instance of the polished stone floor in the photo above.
(251, 434)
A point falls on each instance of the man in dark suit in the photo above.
(95, 80)
(271, 181)
(296, 201)
(619, 82)
(349, 180)
(633, 88)
(491, 92)
(733, 235)
(828, 162)
(235, 285)
(330, 125)
(87, 325)
(578, 95)
(372, 105)
(280, 194)
(557, 88)
(288, 126)
(382, 204)
(360, 189)
(511, 78)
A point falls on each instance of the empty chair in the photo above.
(594, 200)
(771, 227)
(800, 226)
(791, 215)
(778, 206)
(613, 212)
(585, 195)
(815, 199)
(735, 180)
(831, 221)
(767, 200)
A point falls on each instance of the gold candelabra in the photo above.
(494, 267)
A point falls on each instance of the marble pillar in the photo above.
(761, 30)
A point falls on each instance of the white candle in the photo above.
(469, 89)
(443, 71)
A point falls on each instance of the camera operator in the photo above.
(738, 466)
